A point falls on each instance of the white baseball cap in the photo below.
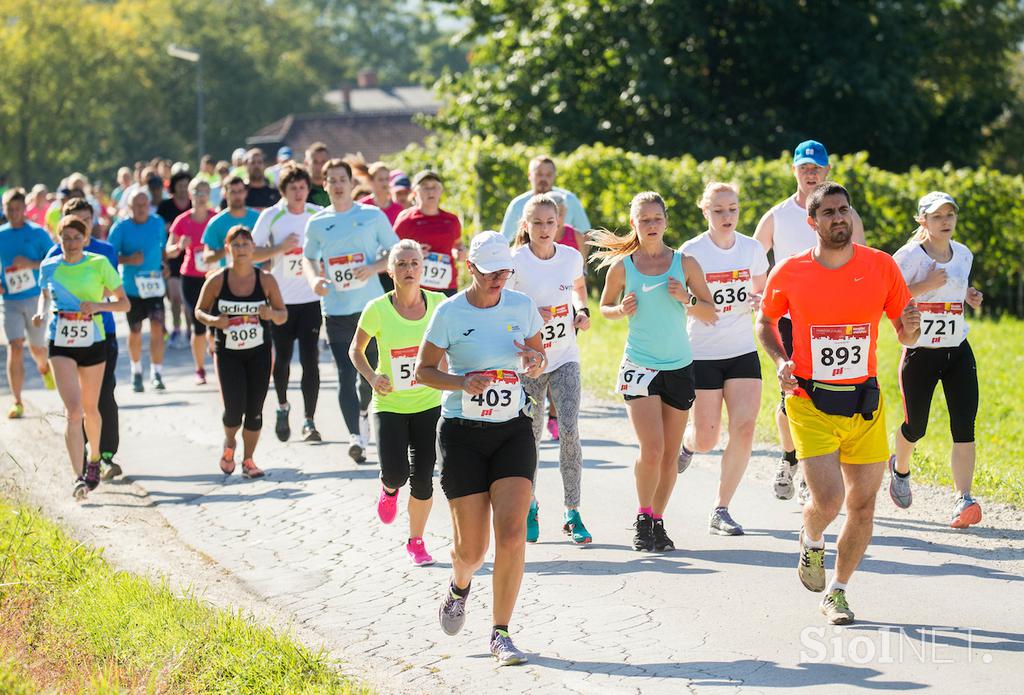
(489, 252)
(933, 201)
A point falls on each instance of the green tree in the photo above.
(912, 83)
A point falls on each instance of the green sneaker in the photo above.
(574, 528)
(532, 523)
(836, 609)
(811, 567)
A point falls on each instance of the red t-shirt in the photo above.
(441, 232)
(835, 311)
(391, 210)
(187, 227)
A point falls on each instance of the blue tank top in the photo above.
(657, 331)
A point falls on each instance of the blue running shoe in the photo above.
(574, 528)
(532, 523)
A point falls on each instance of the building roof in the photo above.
(408, 99)
(375, 134)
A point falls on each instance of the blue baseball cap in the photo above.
(810, 152)
(284, 153)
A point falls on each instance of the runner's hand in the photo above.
(135, 258)
(911, 317)
(425, 248)
(290, 242)
(936, 277)
(974, 298)
(266, 312)
(533, 362)
(363, 272)
(545, 313)
(628, 305)
(20, 262)
(222, 322)
(475, 384)
(786, 379)
(581, 322)
(37, 320)
(754, 301)
(90, 308)
(322, 287)
(382, 385)
(677, 291)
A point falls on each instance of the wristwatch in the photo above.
(585, 311)
(693, 300)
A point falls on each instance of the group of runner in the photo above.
(467, 373)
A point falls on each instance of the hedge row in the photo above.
(481, 176)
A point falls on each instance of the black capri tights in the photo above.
(244, 379)
(191, 288)
(407, 449)
(303, 325)
(921, 369)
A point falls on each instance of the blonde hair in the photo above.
(403, 245)
(715, 187)
(372, 169)
(613, 247)
(523, 233)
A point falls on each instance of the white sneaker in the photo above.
(364, 428)
(356, 448)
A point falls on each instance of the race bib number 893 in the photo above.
(840, 352)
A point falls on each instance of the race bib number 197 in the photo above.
(437, 271)
(499, 402)
(840, 352)
(942, 324)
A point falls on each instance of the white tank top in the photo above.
(792, 234)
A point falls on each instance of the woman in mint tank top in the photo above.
(653, 286)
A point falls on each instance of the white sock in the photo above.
(833, 585)
(136, 368)
(817, 545)
(154, 370)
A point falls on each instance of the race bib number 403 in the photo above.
(942, 324)
(74, 329)
(840, 352)
(730, 291)
(499, 402)
(342, 271)
(437, 271)
(634, 380)
(19, 279)
(403, 367)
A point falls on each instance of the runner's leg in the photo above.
(309, 356)
(645, 416)
(960, 386)
(673, 423)
(919, 371)
(564, 387)
(862, 481)
(65, 371)
(16, 367)
(510, 501)
(705, 429)
(742, 401)
(423, 457)
(825, 480)
(91, 380)
(471, 534)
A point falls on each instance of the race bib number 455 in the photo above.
(74, 329)
(840, 352)
(942, 324)
(499, 402)
(342, 271)
(730, 291)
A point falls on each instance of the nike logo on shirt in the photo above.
(647, 288)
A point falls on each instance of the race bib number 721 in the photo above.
(840, 352)
(942, 324)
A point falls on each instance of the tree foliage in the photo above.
(910, 82)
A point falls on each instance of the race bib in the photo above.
(19, 279)
(730, 291)
(197, 260)
(403, 368)
(840, 352)
(150, 284)
(291, 266)
(236, 308)
(341, 271)
(557, 330)
(942, 324)
(74, 329)
(500, 402)
(634, 380)
(243, 332)
(437, 271)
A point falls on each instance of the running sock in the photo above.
(646, 510)
(656, 517)
(136, 368)
(154, 370)
(721, 509)
(833, 585)
(790, 457)
(687, 451)
(457, 592)
(499, 630)
(284, 407)
(817, 545)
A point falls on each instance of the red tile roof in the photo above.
(375, 134)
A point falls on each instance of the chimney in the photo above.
(367, 78)
(346, 98)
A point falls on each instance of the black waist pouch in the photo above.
(846, 400)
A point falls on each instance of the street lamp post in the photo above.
(194, 56)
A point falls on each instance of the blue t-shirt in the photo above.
(128, 237)
(217, 228)
(575, 215)
(482, 339)
(29, 240)
(106, 250)
(344, 240)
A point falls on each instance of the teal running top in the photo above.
(657, 331)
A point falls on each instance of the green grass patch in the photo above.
(999, 433)
(75, 624)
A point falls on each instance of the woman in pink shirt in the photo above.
(380, 184)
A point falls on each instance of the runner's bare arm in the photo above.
(908, 324)
(429, 372)
(765, 231)
(614, 283)
(173, 247)
(277, 312)
(319, 283)
(768, 335)
(531, 352)
(697, 285)
(265, 253)
(213, 255)
(357, 353)
(211, 288)
(858, 229)
(42, 308)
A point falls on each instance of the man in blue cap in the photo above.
(786, 230)
(284, 155)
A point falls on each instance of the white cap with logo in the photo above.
(489, 252)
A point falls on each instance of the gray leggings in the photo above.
(565, 392)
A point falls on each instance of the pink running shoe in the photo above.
(418, 552)
(387, 506)
(553, 428)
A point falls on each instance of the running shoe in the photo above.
(309, 432)
(109, 469)
(899, 486)
(387, 506)
(811, 567)
(174, 339)
(355, 448)
(251, 470)
(835, 607)
(364, 428)
(685, 457)
(804, 492)
(418, 552)
(662, 543)
(15, 411)
(784, 480)
(452, 613)
(574, 528)
(227, 461)
(200, 377)
(80, 489)
(157, 382)
(137, 383)
(722, 524)
(643, 539)
(92, 475)
(532, 523)
(504, 651)
(553, 428)
(48, 381)
(966, 512)
(281, 428)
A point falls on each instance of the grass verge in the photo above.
(999, 432)
(74, 624)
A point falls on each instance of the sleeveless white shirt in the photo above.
(792, 234)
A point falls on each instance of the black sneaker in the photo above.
(662, 543)
(310, 433)
(92, 475)
(644, 538)
(281, 428)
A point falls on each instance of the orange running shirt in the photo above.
(835, 311)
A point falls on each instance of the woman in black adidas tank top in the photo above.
(238, 303)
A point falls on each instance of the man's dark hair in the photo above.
(290, 173)
(181, 175)
(233, 180)
(824, 189)
(74, 205)
(336, 163)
